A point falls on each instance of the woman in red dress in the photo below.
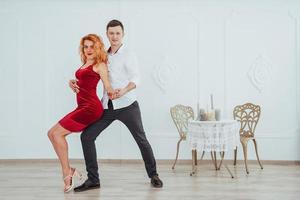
(94, 68)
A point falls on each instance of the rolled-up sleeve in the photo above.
(132, 69)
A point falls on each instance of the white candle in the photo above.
(211, 102)
(198, 111)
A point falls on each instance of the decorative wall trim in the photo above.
(289, 134)
(225, 85)
(163, 73)
(47, 71)
(20, 65)
(297, 62)
(259, 73)
(175, 135)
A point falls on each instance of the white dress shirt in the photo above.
(122, 69)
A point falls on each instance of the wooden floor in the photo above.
(40, 180)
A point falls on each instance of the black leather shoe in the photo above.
(87, 185)
(156, 182)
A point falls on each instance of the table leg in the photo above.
(216, 163)
(222, 153)
(214, 159)
(194, 157)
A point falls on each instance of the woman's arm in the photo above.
(102, 70)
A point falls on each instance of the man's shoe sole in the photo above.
(157, 186)
(89, 188)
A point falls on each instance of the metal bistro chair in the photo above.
(248, 116)
(181, 115)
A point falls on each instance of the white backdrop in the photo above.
(241, 51)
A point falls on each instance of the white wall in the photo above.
(241, 51)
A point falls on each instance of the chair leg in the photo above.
(244, 144)
(196, 163)
(178, 144)
(222, 154)
(203, 152)
(255, 145)
(235, 154)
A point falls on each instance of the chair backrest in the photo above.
(248, 116)
(181, 115)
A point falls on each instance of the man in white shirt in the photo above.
(124, 78)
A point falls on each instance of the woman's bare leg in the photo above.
(57, 135)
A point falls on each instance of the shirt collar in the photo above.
(118, 50)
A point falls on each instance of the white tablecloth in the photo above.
(213, 135)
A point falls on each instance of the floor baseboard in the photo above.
(159, 161)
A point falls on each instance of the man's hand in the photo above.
(120, 92)
(73, 85)
(117, 93)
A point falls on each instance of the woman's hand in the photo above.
(73, 85)
(111, 94)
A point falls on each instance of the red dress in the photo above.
(89, 106)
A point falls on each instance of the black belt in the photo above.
(110, 105)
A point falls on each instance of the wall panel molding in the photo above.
(186, 50)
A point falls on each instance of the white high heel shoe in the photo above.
(71, 175)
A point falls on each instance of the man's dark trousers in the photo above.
(131, 117)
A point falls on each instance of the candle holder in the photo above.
(211, 116)
(218, 114)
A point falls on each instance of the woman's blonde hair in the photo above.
(101, 55)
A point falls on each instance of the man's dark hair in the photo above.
(114, 23)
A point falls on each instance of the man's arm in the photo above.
(121, 91)
(131, 67)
